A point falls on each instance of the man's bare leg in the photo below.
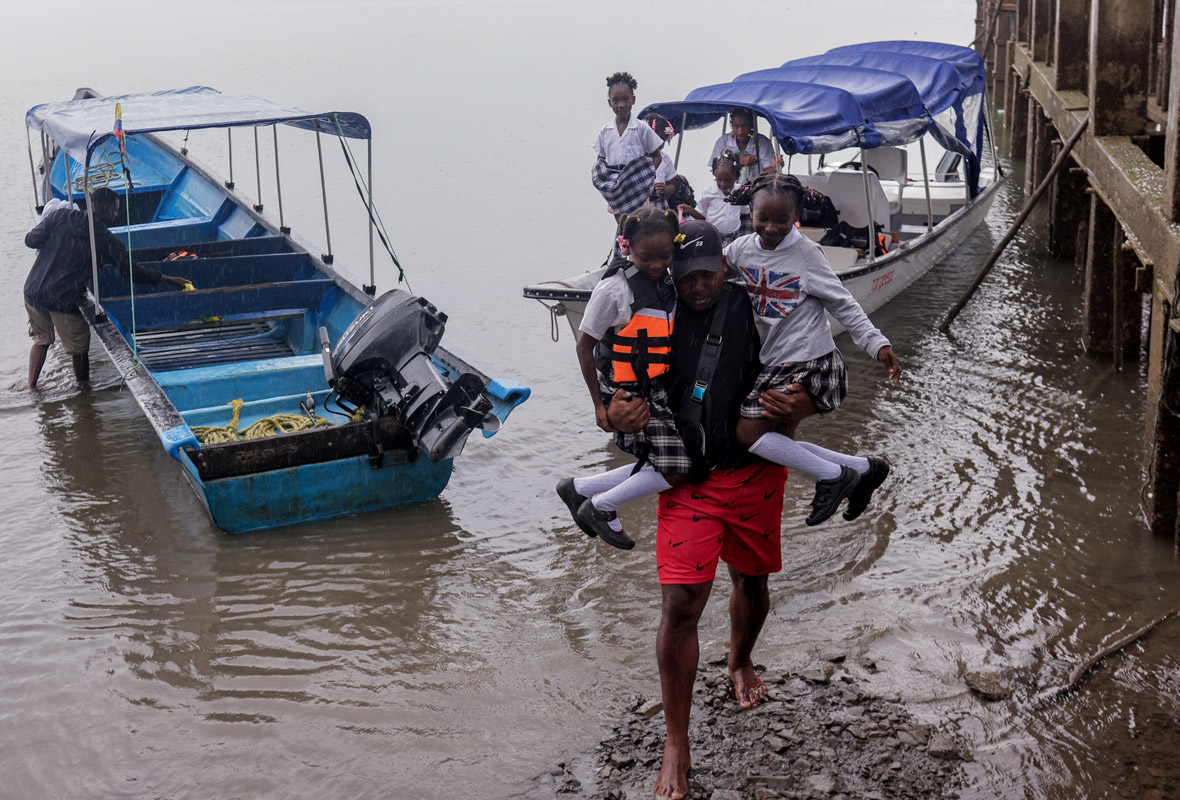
(748, 606)
(677, 651)
(36, 362)
(81, 363)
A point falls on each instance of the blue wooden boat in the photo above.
(260, 324)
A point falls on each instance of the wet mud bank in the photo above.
(821, 733)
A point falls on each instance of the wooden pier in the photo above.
(1116, 209)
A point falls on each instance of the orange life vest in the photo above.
(641, 349)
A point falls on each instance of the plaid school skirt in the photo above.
(825, 379)
(626, 189)
(659, 440)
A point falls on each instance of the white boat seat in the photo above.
(890, 162)
(814, 234)
(846, 189)
(840, 257)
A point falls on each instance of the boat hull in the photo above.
(873, 285)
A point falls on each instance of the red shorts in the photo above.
(735, 515)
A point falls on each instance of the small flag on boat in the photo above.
(118, 131)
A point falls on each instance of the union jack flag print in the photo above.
(774, 294)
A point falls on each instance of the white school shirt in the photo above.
(758, 145)
(723, 216)
(638, 140)
(791, 287)
(666, 171)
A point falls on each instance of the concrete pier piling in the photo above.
(1117, 208)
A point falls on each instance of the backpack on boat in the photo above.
(844, 235)
(817, 211)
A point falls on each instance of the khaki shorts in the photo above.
(72, 329)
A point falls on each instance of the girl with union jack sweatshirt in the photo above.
(791, 286)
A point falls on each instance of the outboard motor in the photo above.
(383, 361)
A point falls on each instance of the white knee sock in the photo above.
(786, 451)
(858, 463)
(643, 483)
(602, 482)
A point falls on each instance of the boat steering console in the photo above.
(383, 362)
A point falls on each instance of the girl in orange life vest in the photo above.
(626, 342)
(791, 286)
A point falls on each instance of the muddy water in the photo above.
(467, 644)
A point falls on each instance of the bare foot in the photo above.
(672, 782)
(748, 688)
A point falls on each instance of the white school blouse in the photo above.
(638, 139)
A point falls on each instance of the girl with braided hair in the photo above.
(625, 342)
(666, 171)
(713, 207)
(791, 285)
(628, 151)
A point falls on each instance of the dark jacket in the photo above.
(737, 370)
(63, 268)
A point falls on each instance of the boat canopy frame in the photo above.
(74, 125)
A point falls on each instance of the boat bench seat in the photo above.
(175, 308)
(213, 273)
(169, 233)
(250, 246)
(262, 379)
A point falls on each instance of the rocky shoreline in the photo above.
(819, 736)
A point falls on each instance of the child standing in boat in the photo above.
(791, 286)
(755, 152)
(625, 342)
(628, 151)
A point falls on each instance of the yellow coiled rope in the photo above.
(267, 426)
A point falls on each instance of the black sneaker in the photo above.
(829, 493)
(573, 501)
(597, 521)
(858, 501)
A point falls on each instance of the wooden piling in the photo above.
(1069, 211)
(1097, 305)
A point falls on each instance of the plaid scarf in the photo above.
(625, 190)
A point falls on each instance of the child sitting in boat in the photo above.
(713, 206)
(625, 342)
(628, 151)
(791, 285)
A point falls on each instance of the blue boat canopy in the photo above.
(865, 95)
(968, 62)
(889, 101)
(937, 82)
(804, 117)
(80, 126)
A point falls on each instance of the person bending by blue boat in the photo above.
(628, 151)
(732, 509)
(59, 277)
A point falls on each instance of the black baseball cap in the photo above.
(698, 251)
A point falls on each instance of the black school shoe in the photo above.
(829, 494)
(858, 501)
(573, 501)
(597, 521)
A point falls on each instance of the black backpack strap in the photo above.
(698, 405)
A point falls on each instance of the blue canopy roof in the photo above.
(882, 96)
(804, 117)
(968, 62)
(938, 83)
(79, 126)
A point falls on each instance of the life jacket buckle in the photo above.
(698, 391)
